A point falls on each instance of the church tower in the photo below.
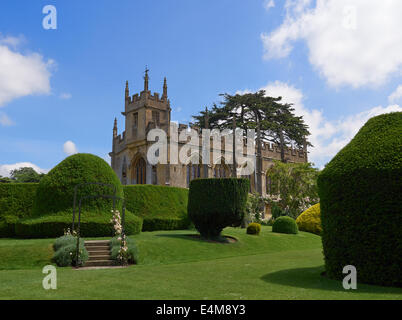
(145, 111)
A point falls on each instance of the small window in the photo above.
(135, 121)
(156, 117)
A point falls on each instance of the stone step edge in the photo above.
(100, 263)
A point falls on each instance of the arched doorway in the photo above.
(139, 171)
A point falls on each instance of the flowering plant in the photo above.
(69, 233)
(123, 254)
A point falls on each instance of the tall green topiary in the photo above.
(56, 190)
(214, 204)
(360, 200)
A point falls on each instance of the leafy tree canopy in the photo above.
(293, 187)
(274, 121)
(26, 174)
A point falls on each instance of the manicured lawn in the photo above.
(174, 266)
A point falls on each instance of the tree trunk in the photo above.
(234, 172)
(259, 161)
(282, 145)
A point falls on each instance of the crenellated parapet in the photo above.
(269, 150)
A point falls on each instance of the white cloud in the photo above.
(107, 159)
(268, 4)
(350, 42)
(13, 42)
(327, 136)
(69, 148)
(21, 75)
(5, 120)
(396, 95)
(5, 169)
(65, 96)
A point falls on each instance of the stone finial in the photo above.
(146, 78)
(164, 95)
(115, 128)
(127, 93)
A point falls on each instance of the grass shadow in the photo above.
(196, 237)
(312, 278)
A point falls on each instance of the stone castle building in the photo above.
(146, 111)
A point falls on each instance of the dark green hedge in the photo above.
(56, 190)
(17, 199)
(360, 199)
(16, 202)
(91, 226)
(153, 224)
(217, 203)
(7, 226)
(161, 207)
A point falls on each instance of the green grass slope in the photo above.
(175, 266)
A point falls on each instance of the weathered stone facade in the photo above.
(146, 111)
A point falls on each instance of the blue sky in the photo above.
(338, 61)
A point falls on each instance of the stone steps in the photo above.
(99, 253)
(99, 263)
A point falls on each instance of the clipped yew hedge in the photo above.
(360, 200)
(217, 203)
(16, 202)
(90, 226)
(161, 207)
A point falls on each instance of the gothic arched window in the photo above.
(193, 172)
(221, 170)
(138, 175)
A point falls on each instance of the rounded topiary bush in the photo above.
(214, 204)
(360, 200)
(310, 220)
(254, 228)
(53, 207)
(285, 224)
(56, 190)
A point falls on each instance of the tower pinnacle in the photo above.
(146, 79)
(115, 128)
(164, 95)
(127, 93)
